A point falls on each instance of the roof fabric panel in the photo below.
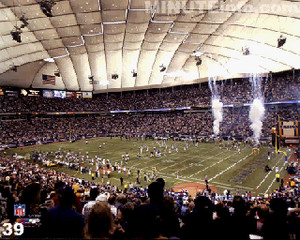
(105, 38)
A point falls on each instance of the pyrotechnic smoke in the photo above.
(257, 111)
(217, 106)
(257, 108)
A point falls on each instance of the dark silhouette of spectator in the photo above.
(168, 220)
(10, 201)
(156, 191)
(275, 225)
(31, 197)
(221, 222)
(240, 225)
(57, 187)
(146, 217)
(63, 221)
(199, 224)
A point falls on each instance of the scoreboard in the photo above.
(289, 131)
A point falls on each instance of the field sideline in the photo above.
(225, 169)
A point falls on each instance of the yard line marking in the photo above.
(210, 166)
(210, 157)
(188, 160)
(180, 179)
(147, 162)
(214, 163)
(152, 165)
(134, 165)
(274, 179)
(231, 166)
(216, 184)
(202, 182)
(236, 186)
(220, 153)
(262, 181)
(155, 158)
(224, 184)
(190, 165)
(145, 167)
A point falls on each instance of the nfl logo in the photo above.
(19, 210)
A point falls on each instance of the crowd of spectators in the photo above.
(69, 207)
(42, 130)
(231, 92)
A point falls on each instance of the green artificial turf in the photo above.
(219, 164)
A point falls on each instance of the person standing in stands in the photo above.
(275, 225)
(200, 221)
(145, 221)
(63, 221)
(241, 225)
(94, 192)
(31, 197)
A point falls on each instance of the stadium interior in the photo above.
(150, 119)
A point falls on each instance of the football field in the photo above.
(224, 168)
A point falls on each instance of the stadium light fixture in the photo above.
(198, 61)
(246, 51)
(281, 41)
(114, 76)
(134, 73)
(24, 21)
(14, 68)
(46, 7)
(57, 73)
(91, 79)
(162, 68)
(16, 34)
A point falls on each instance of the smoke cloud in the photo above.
(256, 115)
(216, 104)
(217, 108)
(257, 108)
